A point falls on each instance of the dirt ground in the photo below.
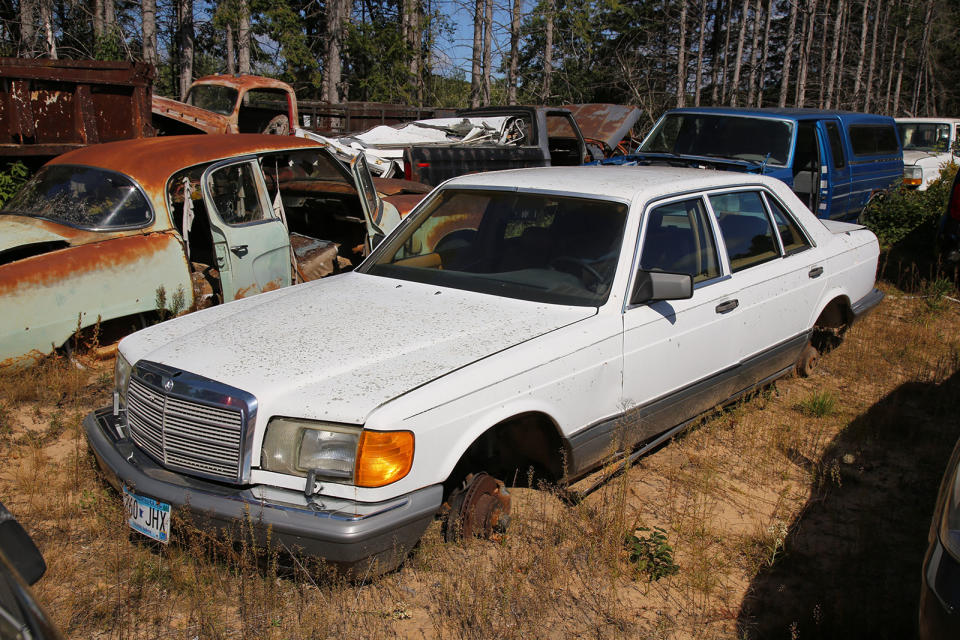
(800, 513)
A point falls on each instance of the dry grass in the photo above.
(787, 518)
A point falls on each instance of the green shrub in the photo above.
(899, 212)
(11, 178)
(650, 553)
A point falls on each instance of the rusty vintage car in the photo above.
(229, 104)
(112, 237)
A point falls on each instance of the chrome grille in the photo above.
(186, 435)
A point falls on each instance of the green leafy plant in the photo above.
(818, 404)
(650, 553)
(11, 178)
(901, 211)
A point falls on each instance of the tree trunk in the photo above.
(714, 52)
(231, 57)
(889, 55)
(185, 44)
(752, 83)
(841, 65)
(822, 71)
(682, 56)
(28, 14)
(837, 25)
(487, 53)
(762, 72)
(871, 66)
(808, 35)
(243, 37)
(46, 23)
(109, 16)
(97, 18)
(548, 52)
(148, 9)
(726, 49)
(476, 87)
(735, 85)
(895, 105)
(412, 37)
(923, 61)
(514, 52)
(337, 11)
(864, 27)
(791, 37)
(699, 76)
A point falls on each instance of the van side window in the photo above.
(873, 139)
(679, 240)
(790, 235)
(836, 145)
(745, 228)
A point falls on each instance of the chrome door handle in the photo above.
(728, 306)
(240, 250)
(816, 272)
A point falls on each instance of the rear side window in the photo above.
(679, 240)
(790, 235)
(836, 145)
(873, 139)
(745, 228)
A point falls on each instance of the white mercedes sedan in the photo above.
(544, 319)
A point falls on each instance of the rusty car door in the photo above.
(380, 217)
(250, 242)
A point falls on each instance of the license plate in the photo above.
(147, 516)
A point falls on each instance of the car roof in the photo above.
(923, 120)
(790, 114)
(151, 161)
(623, 183)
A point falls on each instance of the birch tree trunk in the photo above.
(148, 18)
(548, 52)
(837, 25)
(791, 37)
(28, 13)
(699, 76)
(735, 85)
(844, 43)
(682, 56)
(243, 38)
(476, 87)
(754, 43)
(822, 71)
(185, 40)
(487, 53)
(864, 27)
(514, 52)
(46, 23)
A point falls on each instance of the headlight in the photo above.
(344, 454)
(121, 381)
(950, 522)
(912, 176)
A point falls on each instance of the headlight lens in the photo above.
(338, 453)
(912, 175)
(121, 378)
(297, 446)
(950, 522)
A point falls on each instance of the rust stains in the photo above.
(156, 159)
(202, 119)
(405, 202)
(397, 186)
(52, 268)
(606, 123)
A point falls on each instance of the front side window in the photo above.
(83, 197)
(759, 140)
(235, 194)
(679, 240)
(538, 247)
(745, 228)
(213, 98)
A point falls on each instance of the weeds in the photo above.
(650, 553)
(819, 404)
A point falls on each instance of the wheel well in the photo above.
(519, 451)
(832, 323)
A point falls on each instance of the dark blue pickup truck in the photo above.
(835, 161)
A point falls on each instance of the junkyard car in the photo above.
(948, 237)
(539, 319)
(940, 577)
(97, 233)
(928, 144)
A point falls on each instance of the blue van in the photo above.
(835, 161)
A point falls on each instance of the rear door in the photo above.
(251, 244)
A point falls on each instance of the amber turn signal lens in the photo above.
(384, 457)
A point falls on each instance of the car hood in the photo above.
(925, 158)
(337, 349)
(18, 231)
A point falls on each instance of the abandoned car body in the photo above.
(101, 236)
(542, 318)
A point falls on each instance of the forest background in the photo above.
(897, 57)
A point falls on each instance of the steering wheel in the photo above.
(279, 126)
(579, 262)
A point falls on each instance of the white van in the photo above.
(928, 144)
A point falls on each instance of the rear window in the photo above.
(873, 139)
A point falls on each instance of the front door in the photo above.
(837, 174)
(251, 244)
(380, 218)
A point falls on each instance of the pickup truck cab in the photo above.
(542, 319)
(834, 161)
(928, 144)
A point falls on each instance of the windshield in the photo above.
(213, 98)
(722, 136)
(543, 248)
(82, 197)
(924, 136)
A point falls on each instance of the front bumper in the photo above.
(361, 537)
(939, 595)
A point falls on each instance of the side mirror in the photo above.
(651, 286)
(16, 545)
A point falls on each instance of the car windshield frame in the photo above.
(504, 283)
(781, 160)
(226, 91)
(902, 126)
(12, 206)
